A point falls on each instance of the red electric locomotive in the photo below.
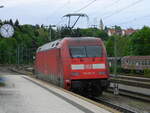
(78, 64)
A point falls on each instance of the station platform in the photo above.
(23, 94)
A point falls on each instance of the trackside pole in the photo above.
(115, 87)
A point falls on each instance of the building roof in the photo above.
(129, 31)
(136, 57)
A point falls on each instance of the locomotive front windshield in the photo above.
(78, 51)
(86, 51)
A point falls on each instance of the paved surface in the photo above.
(24, 96)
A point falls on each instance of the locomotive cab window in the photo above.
(94, 51)
(86, 51)
(77, 52)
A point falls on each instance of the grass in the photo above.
(136, 75)
(2, 84)
(145, 74)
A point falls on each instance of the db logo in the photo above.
(88, 66)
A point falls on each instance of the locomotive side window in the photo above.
(77, 52)
(53, 45)
(147, 63)
(142, 62)
(127, 61)
(94, 51)
(57, 43)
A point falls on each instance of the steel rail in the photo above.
(131, 94)
(114, 106)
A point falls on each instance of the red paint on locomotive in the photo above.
(74, 63)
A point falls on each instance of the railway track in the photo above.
(127, 93)
(141, 79)
(131, 81)
(112, 105)
(131, 94)
(109, 101)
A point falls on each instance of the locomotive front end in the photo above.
(88, 66)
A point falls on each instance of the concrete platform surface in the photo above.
(23, 94)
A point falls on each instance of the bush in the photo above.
(2, 84)
(119, 69)
(147, 72)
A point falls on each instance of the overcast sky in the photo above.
(126, 13)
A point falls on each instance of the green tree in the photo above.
(94, 32)
(16, 23)
(122, 45)
(11, 22)
(140, 42)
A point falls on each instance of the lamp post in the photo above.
(50, 31)
(116, 88)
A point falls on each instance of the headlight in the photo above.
(102, 73)
(75, 73)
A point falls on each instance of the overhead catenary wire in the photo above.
(111, 5)
(84, 7)
(116, 1)
(110, 15)
(108, 7)
(133, 20)
(59, 8)
(122, 9)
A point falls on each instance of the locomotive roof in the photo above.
(81, 38)
(54, 44)
(48, 45)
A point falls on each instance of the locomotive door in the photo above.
(60, 69)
